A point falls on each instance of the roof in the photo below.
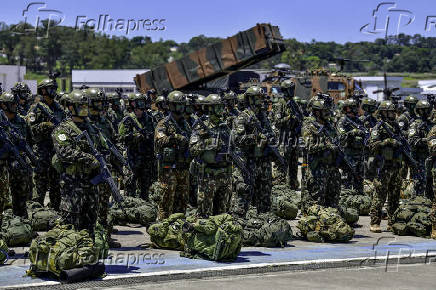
(116, 76)
(378, 79)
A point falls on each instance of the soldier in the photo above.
(322, 180)
(115, 112)
(77, 164)
(136, 133)
(231, 111)
(417, 139)
(369, 106)
(408, 116)
(385, 159)
(431, 174)
(214, 174)
(162, 108)
(353, 141)
(171, 142)
(20, 179)
(4, 177)
(250, 143)
(41, 124)
(23, 94)
(289, 125)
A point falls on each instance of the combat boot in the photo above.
(375, 228)
(433, 232)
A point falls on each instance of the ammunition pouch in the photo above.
(168, 155)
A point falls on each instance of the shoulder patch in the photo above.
(401, 124)
(32, 117)
(62, 137)
(374, 133)
(412, 132)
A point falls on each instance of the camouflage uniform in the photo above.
(352, 140)
(404, 121)
(171, 141)
(139, 152)
(385, 158)
(77, 165)
(417, 139)
(250, 145)
(322, 180)
(214, 173)
(431, 170)
(45, 176)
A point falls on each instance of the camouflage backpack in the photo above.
(16, 231)
(413, 218)
(324, 224)
(351, 199)
(133, 210)
(100, 241)
(43, 219)
(284, 202)
(217, 238)
(350, 215)
(3, 252)
(265, 230)
(61, 248)
(167, 234)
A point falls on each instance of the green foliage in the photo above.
(66, 48)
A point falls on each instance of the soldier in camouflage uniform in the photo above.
(209, 150)
(405, 119)
(431, 174)
(289, 127)
(45, 176)
(23, 94)
(417, 139)
(162, 108)
(353, 141)
(115, 112)
(4, 177)
(20, 179)
(251, 143)
(136, 133)
(231, 111)
(322, 181)
(369, 106)
(171, 143)
(77, 164)
(385, 160)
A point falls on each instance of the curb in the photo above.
(389, 261)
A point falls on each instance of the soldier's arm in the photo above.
(242, 139)
(38, 127)
(196, 143)
(431, 141)
(66, 149)
(414, 138)
(161, 138)
(314, 142)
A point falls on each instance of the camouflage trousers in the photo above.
(214, 191)
(19, 182)
(138, 184)
(321, 186)
(46, 178)
(349, 181)
(79, 202)
(288, 175)
(174, 192)
(433, 208)
(419, 184)
(4, 187)
(257, 194)
(387, 185)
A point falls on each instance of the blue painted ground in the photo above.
(152, 260)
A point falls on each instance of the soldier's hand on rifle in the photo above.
(182, 140)
(262, 141)
(94, 164)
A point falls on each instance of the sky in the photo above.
(336, 20)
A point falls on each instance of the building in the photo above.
(108, 80)
(11, 74)
(427, 85)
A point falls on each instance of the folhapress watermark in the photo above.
(38, 19)
(388, 19)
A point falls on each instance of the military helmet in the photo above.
(112, 97)
(318, 105)
(95, 94)
(229, 96)
(410, 100)
(161, 103)
(21, 90)
(79, 101)
(138, 101)
(49, 85)
(213, 99)
(177, 102)
(423, 108)
(176, 97)
(286, 84)
(423, 104)
(369, 102)
(254, 91)
(386, 106)
(7, 98)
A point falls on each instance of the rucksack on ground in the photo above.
(42, 218)
(349, 198)
(284, 202)
(133, 210)
(265, 230)
(324, 224)
(167, 234)
(3, 252)
(15, 230)
(413, 217)
(217, 238)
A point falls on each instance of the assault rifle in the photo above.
(358, 127)
(55, 120)
(18, 139)
(342, 156)
(105, 174)
(236, 158)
